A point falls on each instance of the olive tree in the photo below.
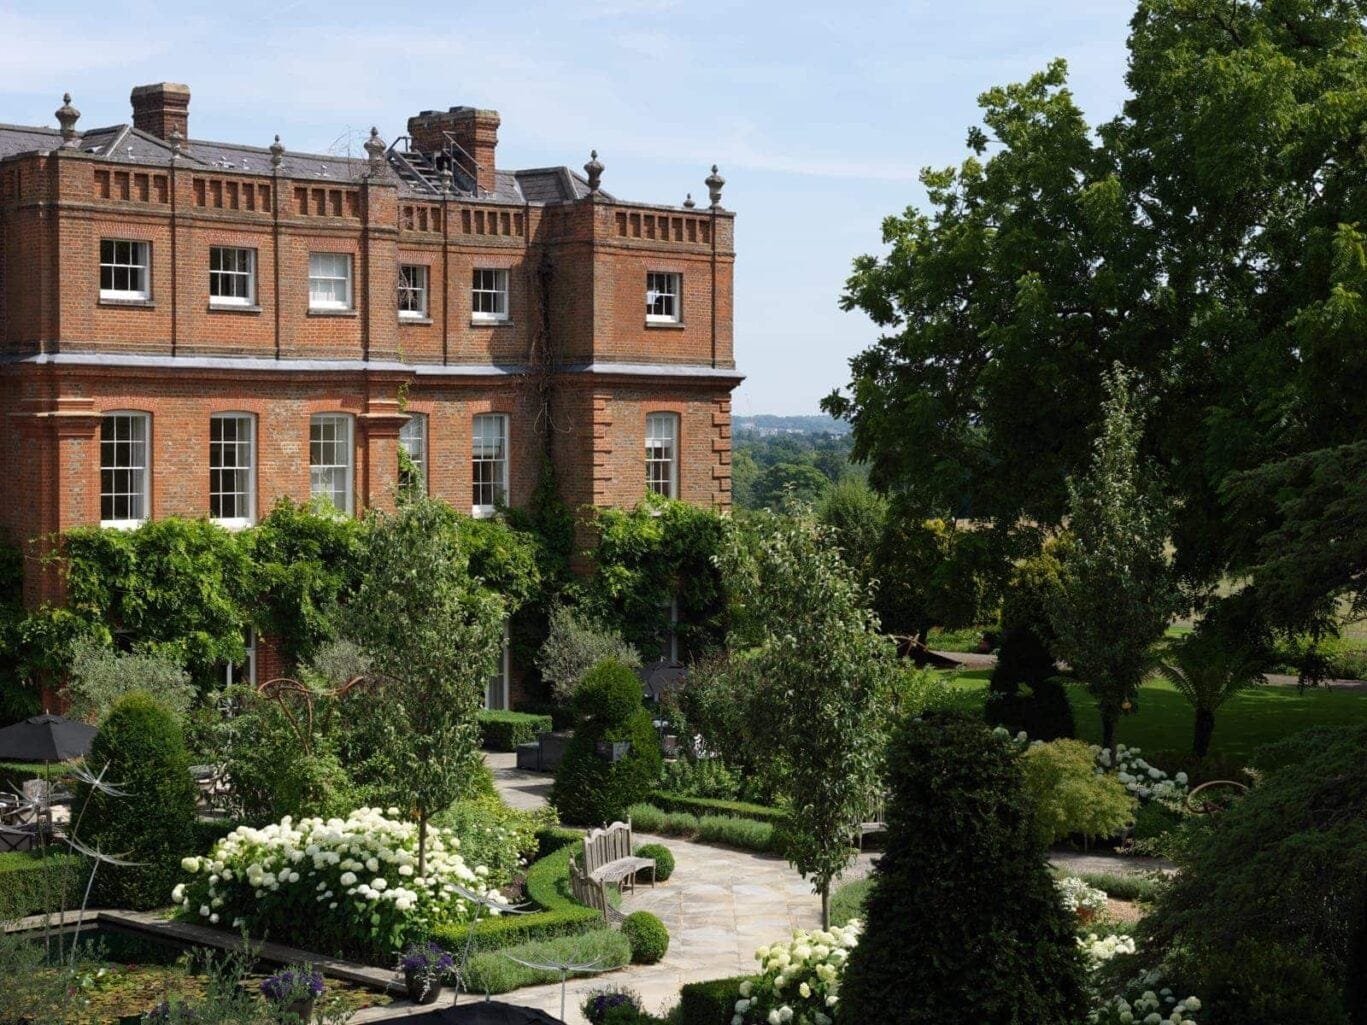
(432, 632)
(823, 675)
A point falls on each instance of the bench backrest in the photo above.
(586, 891)
(604, 846)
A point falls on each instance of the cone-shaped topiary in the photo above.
(154, 823)
(964, 925)
(589, 788)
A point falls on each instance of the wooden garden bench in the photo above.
(871, 824)
(591, 893)
(608, 856)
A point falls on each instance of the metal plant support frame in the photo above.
(1211, 807)
(480, 901)
(566, 969)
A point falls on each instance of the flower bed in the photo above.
(800, 981)
(1145, 781)
(348, 885)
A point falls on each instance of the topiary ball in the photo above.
(662, 856)
(647, 935)
(608, 694)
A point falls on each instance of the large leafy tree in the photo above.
(1209, 238)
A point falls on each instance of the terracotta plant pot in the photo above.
(422, 988)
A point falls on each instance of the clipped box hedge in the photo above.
(548, 886)
(709, 1003)
(667, 801)
(503, 731)
(33, 885)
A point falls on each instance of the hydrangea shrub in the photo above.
(348, 884)
(799, 980)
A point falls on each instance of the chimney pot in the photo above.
(162, 108)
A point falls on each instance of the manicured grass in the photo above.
(1245, 723)
(494, 972)
(967, 639)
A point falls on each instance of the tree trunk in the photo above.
(923, 636)
(1108, 720)
(422, 842)
(1205, 726)
(826, 904)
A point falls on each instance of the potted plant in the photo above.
(424, 967)
(294, 991)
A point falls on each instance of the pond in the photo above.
(126, 973)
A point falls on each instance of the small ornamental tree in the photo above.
(823, 676)
(964, 925)
(590, 787)
(432, 632)
(1208, 670)
(1116, 593)
(142, 753)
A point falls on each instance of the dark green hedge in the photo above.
(710, 806)
(548, 886)
(709, 1003)
(31, 885)
(503, 731)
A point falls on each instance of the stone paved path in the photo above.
(719, 905)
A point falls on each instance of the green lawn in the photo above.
(1246, 722)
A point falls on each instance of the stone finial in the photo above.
(67, 116)
(688, 202)
(177, 142)
(374, 148)
(447, 180)
(714, 182)
(594, 169)
(277, 153)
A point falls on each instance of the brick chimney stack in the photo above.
(475, 131)
(162, 108)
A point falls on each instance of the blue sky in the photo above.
(820, 114)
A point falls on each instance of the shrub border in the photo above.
(666, 801)
(504, 731)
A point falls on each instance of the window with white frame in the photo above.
(496, 688)
(489, 295)
(413, 441)
(125, 270)
(245, 671)
(662, 454)
(669, 634)
(124, 468)
(662, 297)
(232, 276)
(330, 459)
(489, 449)
(329, 281)
(232, 468)
(412, 291)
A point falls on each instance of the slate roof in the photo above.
(127, 144)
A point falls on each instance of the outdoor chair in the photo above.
(19, 824)
(871, 825)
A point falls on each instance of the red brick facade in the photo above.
(575, 366)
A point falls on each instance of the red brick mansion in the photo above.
(198, 328)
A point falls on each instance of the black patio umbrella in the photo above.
(485, 1012)
(45, 738)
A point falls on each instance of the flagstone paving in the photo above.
(719, 905)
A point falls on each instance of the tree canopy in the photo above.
(1208, 238)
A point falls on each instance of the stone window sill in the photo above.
(667, 325)
(141, 304)
(331, 313)
(233, 308)
(415, 320)
(480, 322)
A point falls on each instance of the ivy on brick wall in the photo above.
(660, 552)
(190, 589)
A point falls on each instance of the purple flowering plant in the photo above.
(427, 960)
(598, 1003)
(293, 984)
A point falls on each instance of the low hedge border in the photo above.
(667, 801)
(504, 731)
(726, 830)
(548, 886)
(709, 1003)
(32, 885)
